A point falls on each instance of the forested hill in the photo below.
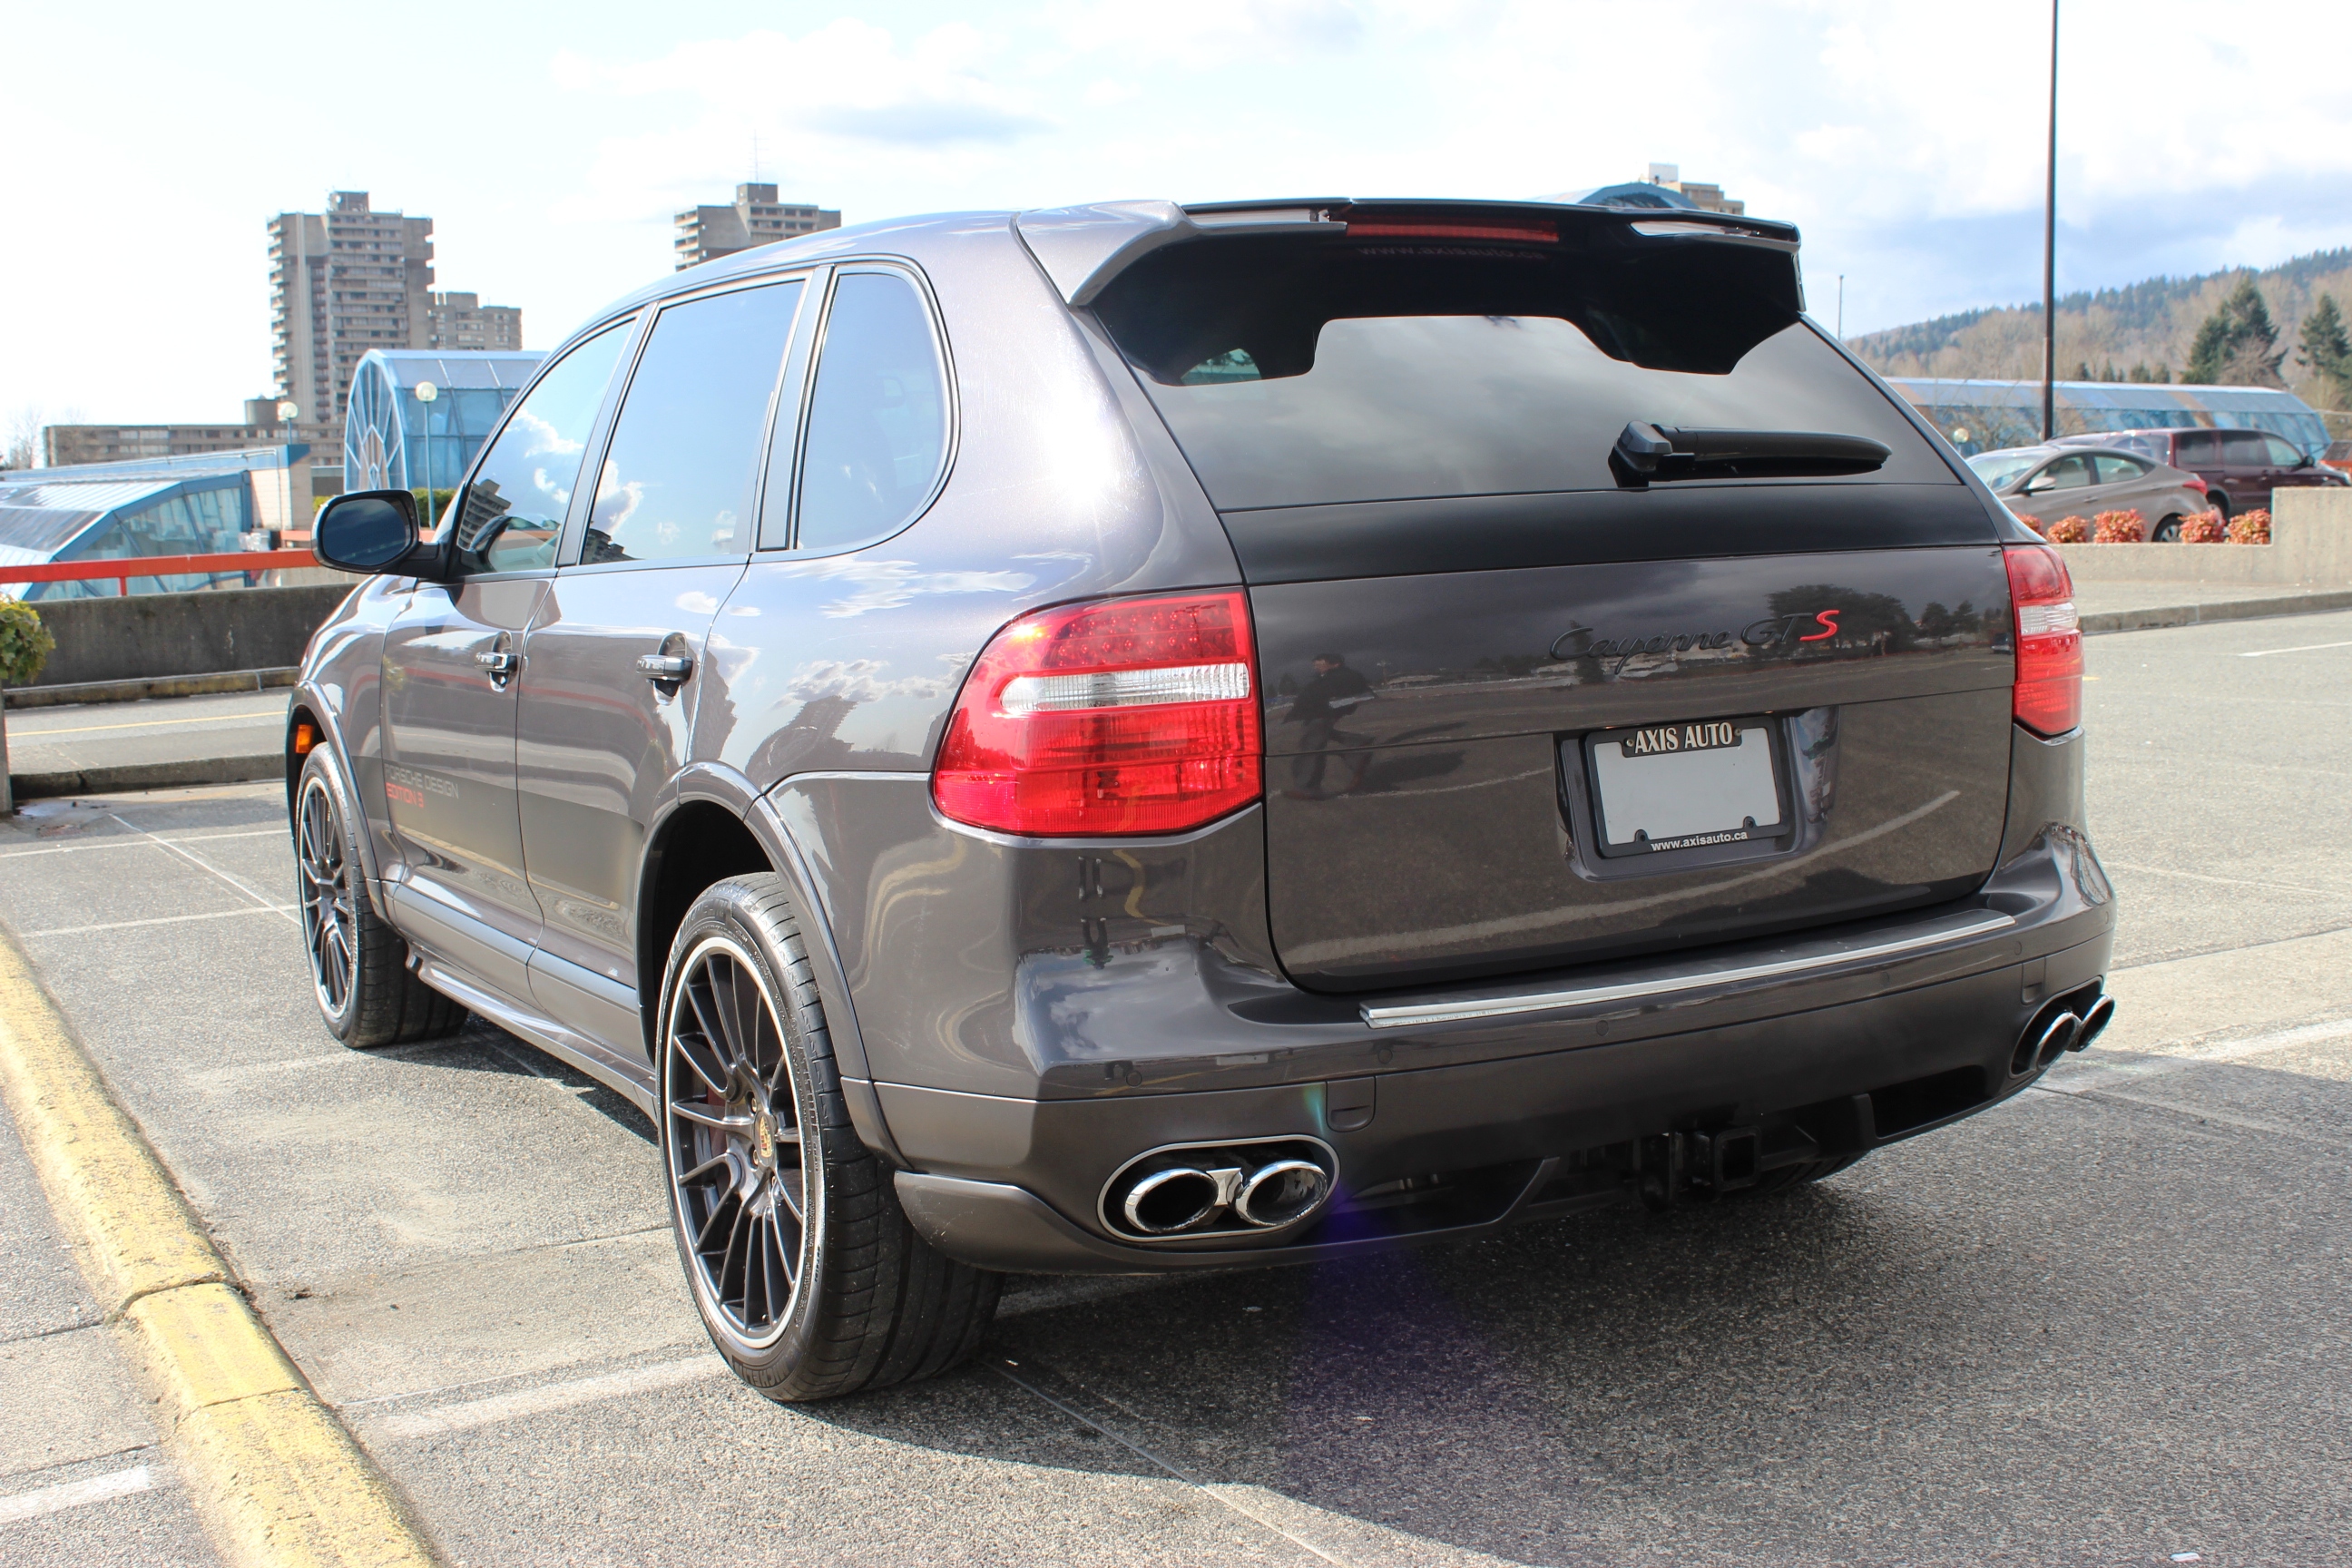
(2149, 324)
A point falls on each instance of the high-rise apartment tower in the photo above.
(341, 282)
(705, 233)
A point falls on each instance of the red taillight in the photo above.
(2048, 696)
(1539, 233)
(1126, 716)
(2197, 483)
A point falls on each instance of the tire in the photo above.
(808, 1279)
(2219, 502)
(2166, 531)
(358, 964)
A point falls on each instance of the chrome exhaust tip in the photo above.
(1242, 1188)
(2100, 1014)
(2057, 1039)
(1280, 1192)
(1179, 1198)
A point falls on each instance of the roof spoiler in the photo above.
(1082, 249)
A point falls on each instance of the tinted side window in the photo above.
(877, 417)
(2199, 448)
(2065, 474)
(682, 471)
(2282, 455)
(2244, 449)
(513, 511)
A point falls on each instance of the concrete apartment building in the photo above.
(1711, 197)
(351, 278)
(63, 445)
(707, 233)
(462, 322)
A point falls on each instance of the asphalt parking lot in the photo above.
(2102, 1324)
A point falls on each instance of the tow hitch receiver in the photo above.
(1713, 1162)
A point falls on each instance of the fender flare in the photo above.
(714, 784)
(308, 696)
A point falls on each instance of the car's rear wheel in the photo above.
(2166, 531)
(358, 964)
(2219, 502)
(808, 1277)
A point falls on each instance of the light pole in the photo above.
(2049, 253)
(425, 394)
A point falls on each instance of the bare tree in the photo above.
(22, 445)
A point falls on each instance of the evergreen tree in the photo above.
(2238, 344)
(2327, 349)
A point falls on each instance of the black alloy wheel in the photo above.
(807, 1277)
(329, 904)
(358, 964)
(738, 1169)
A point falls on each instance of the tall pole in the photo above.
(2049, 253)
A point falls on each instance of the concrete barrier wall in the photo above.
(2310, 547)
(151, 635)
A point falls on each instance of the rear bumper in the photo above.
(1835, 1059)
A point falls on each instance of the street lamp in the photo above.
(425, 394)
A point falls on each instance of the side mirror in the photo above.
(2304, 461)
(366, 531)
(2041, 482)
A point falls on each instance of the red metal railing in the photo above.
(122, 568)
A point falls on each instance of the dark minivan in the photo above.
(2240, 467)
(1133, 738)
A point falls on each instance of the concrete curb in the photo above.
(2226, 610)
(274, 1476)
(161, 686)
(251, 769)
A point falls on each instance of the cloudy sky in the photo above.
(150, 144)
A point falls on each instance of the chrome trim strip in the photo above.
(1682, 977)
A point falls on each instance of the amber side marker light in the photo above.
(305, 738)
(2048, 696)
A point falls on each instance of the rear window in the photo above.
(1296, 370)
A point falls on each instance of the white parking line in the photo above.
(160, 921)
(2225, 881)
(74, 1494)
(2100, 1075)
(2307, 648)
(139, 842)
(203, 865)
(468, 1414)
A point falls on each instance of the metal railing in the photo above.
(123, 568)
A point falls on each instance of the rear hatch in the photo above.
(1583, 631)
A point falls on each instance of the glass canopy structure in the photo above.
(196, 505)
(418, 418)
(1988, 415)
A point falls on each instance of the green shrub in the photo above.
(25, 644)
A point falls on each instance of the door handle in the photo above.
(500, 662)
(664, 666)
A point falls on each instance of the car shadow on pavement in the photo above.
(2019, 1333)
(482, 1046)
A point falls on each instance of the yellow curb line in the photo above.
(277, 1480)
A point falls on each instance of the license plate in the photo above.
(1660, 787)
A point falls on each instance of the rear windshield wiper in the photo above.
(1649, 453)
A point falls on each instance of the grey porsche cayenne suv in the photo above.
(1136, 738)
